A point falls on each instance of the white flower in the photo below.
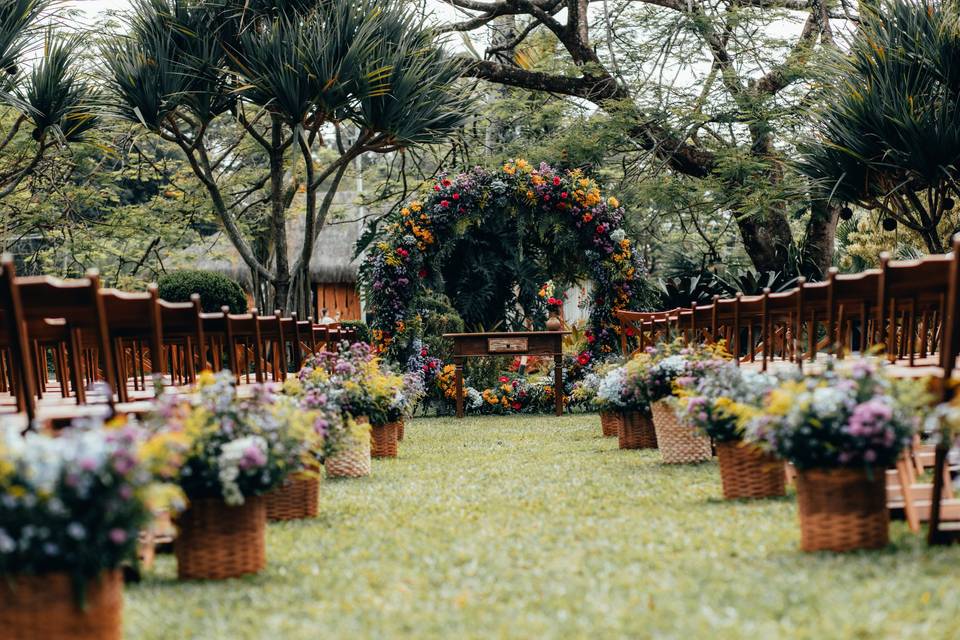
(7, 544)
(827, 401)
(617, 235)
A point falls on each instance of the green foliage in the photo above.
(47, 107)
(549, 517)
(216, 290)
(889, 137)
(261, 97)
(363, 331)
(437, 317)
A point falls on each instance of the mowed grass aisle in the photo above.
(539, 527)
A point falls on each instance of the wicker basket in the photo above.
(399, 429)
(635, 431)
(678, 443)
(749, 472)
(353, 461)
(610, 423)
(217, 541)
(295, 499)
(842, 509)
(383, 440)
(45, 607)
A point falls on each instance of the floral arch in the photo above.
(567, 204)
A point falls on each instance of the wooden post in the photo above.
(558, 383)
(458, 381)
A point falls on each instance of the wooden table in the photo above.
(511, 343)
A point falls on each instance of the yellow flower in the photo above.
(613, 202)
(405, 212)
(206, 378)
(416, 206)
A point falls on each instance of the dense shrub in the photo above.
(363, 331)
(215, 289)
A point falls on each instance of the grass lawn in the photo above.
(539, 527)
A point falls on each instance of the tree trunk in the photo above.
(818, 242)
(278, 224)
(767, 240)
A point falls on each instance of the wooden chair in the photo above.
(78, 304)
(814, 306)
(184, 339)
(15, 342)
(782, 331)
(132, 320)
(912, 302)
(243, 344)
(854, 307)
(273, 344)
(214, 325)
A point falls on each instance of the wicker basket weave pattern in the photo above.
(400, 430)
(842, 509)
(610, 423)
(45, 607)
(353, 461)
(383, 440)
(747, 471)
(217, 541)
(635, 431)
(295, 499)
(678, 443)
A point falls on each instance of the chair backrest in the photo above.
(854, 306)
(134, 315)
(912, 305)
(77, 302)
(783, 324)
(243, 331)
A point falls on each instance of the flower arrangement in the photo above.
(715, 401)
(75, 503)
(328, 385)
(854, 415)
(551, 295)
(659, 371)
(235, 448)
(400, 262)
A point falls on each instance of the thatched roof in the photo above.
(332, 253)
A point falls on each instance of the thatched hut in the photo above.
(333, 271)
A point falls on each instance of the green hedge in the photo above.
(215, 289)
(363, 331)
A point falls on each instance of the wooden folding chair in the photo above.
(854, 306)
(912, 302)
(184, 339)
(132, 320)
(244, 344)
(15, 341)
(78, 304)
(273, 344)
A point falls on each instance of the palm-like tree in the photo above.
(889, 138)
(283, 78)
(46, 107)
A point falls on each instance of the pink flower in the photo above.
(117, 536)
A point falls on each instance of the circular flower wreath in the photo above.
(399, 261)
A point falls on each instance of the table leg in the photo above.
(558, 383)
(458, 381)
